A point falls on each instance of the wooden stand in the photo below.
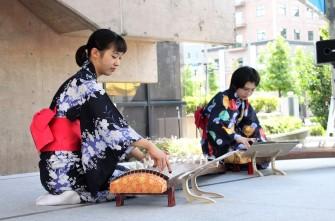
(119, 197)
(269, 150)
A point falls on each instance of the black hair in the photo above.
(101, 39)
(242, 75)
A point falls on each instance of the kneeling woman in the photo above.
(78, 164)
(232, 122)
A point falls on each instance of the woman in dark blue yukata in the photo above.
(74, 171)
(232, 122)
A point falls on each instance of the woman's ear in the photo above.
(95, 53)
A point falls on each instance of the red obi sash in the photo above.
(55, 134)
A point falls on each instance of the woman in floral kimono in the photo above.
(232, 122)
(72, 171)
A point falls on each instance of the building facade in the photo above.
(258, 22)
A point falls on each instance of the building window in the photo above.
(282, 9)
(240, 62)
(217, 64)
(239, 38)
(295, 11)
(283, 33)
(296, 34)
(188, 55)
(309, 13)
(260, 11)
(310, 36)
(261, 36)
(238, 18)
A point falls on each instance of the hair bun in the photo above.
(81, 55)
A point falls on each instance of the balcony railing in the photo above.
(240, 24)
(239, 45)
(239, 3)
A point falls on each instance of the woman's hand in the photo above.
(137, 154)
(160, 157)
(245, 141)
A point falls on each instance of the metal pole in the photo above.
(178, 120)
(149, 112)
(206, 80)
(330, 14)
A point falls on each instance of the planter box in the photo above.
(299, 134)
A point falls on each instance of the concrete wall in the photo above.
(33, 62)
(139, 64)
(176, 20)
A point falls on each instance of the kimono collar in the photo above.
(236, 96)
(88, 66)
(233, 95)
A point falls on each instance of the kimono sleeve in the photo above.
(109, 122)
(221, 125)
(250, 126)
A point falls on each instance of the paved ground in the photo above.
(306, 193)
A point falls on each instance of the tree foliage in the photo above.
(314, 82)
(276, 74)
(283, 72)
(187, 82)
(304, 68)
(213, 80)
(319, 87)
(319, 92)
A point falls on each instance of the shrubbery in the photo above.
(281, 124)
(179, 147)
(264, 104)
(317, 130)
(193, 102)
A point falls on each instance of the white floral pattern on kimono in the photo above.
(106, 136)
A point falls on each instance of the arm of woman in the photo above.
(116, 132)
(137, 154)
(250, 126)
(160, 158)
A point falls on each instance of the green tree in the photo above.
(314, 84)
(304, 67)
(324, 32)
(213, 80)
(187, 82)
(319, 92)
(275, 73)
(319, 87)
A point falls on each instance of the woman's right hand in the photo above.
(160, 158)
(245, 141)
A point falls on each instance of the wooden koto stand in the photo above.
(150, 182)
(142, 182)
(269, 151)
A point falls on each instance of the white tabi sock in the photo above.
(66, 198)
